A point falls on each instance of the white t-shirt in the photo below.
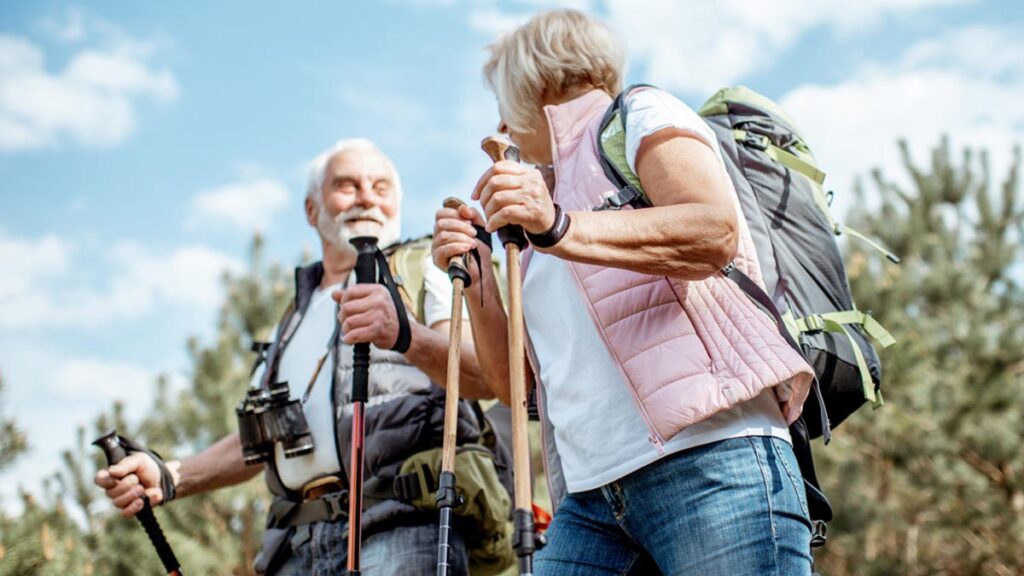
(308, 344)
(599, 431)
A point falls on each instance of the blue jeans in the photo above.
(734, 507)
(321, 549)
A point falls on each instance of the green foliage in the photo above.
(213, 533)
(934, 481)
(12, 440)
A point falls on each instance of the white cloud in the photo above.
(91, 378)
(24, 262)
(93, 101)
(961, 84)
(982, 50)
(69, 26)
(491, 21)
(697, 46)
(246, 205)
(189, 276)
(38, 287)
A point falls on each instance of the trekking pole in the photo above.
(447, 498)
(366, 248)
(514, 240)
(114, 450)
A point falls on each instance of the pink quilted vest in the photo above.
(687, 349)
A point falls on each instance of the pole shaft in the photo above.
(517, 381)
(366, 247)
(444, 543)
(451, 401)
(355, 493)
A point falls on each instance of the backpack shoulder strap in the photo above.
(406, 264)
(611, 146)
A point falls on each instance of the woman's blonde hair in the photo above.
(551, 56)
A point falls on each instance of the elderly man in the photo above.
(353, 190)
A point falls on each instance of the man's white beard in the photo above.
(354, 223)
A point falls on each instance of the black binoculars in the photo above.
(266, 416)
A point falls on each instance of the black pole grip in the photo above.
(114, 450)
(366, 249)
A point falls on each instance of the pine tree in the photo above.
(12, 439)
(213, 533)
(934, 481)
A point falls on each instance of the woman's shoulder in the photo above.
(648, 100)
(649, 110)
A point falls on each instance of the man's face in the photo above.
(357, 198)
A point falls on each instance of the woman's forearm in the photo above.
(686, 241)
(490, 332)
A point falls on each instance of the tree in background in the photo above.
(934, 481)
(12, 440)
(213, 533)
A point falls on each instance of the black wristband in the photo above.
(166, 480)
(554, 234)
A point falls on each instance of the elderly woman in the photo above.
(668, 392)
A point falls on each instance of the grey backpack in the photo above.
(806, 289)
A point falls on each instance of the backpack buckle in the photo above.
(627, 195)
(814, 323)
(758, 141)
(336, 504)
(407, 487)
(818, 537)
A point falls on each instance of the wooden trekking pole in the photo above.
(115, 451)
(366, 248)
(447, 497)
(514, 240)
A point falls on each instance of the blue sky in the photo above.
(139, 150)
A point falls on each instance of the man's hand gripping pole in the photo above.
(115, 451)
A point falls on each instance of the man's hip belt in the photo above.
(325, 499)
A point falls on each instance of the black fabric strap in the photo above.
(554, 234)
(818, 506)
(404, 332)
(166, 481)
(407, 487)
(330, 507)
(485, 238)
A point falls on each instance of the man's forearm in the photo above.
(218, 466)
(429, 352)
